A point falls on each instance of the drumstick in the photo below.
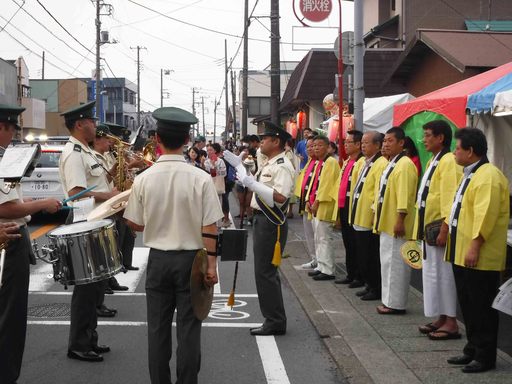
(77, 195)
(2, 260)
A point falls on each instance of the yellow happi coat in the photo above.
(443, 186)
(400, 196)
(484, 211)
(364, 215)
(327, 182)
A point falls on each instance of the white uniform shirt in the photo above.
(173, 200)
(13, 195)
(78, 167)
(277, 173)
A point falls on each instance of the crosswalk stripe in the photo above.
(273, 365)
(144, 323)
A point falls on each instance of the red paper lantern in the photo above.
(301, 120)
(332, 130)
(293, 129)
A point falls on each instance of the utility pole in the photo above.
(233, 96)
(194, 91)
(42, 69)
(98, 58)
(202, 108)
(244, 71)
(358, 65)
(138, 48)
(275, 69)
(162, 73)
(226, 85)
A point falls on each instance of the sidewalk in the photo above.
(373, 348)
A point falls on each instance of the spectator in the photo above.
(217, 169)
(412, 152)
(301, 148)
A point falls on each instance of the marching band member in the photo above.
(321, 204)
(434, 202)
(79, 169)
(272, 188)
(361, 215)
(18, 256)
(476, 246)
(176, 207)
(394, 219)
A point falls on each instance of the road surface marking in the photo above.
(131, 278)
(70, 292)
(42, 231)
(144, 323)
(273, 366)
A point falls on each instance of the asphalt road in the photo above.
(229, 353)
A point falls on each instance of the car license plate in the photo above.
(40, 186)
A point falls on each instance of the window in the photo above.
(393, 5)
(259, 106)
(126, 93)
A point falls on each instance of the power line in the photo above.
(35, 42)
(58, 22)
(12, 17)
(53, 34)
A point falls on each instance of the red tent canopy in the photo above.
(451, 100)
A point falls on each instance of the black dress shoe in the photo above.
(264, 331)
(131, 268)
(346, 280)
(371, 296)
(477, 367)
(105, 312)
(101, 349)
(314, 273)
(363, 292)
(356, 284)
(90, 356)
(109, 291)
(460, 360)
(323, 276)
(118, 287)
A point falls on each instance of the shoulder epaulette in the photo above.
(280, 161)
(77, 148)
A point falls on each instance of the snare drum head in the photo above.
(85, 226)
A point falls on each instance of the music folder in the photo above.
(19, 161)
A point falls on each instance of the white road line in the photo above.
(131, 278)
(69, 293)
(144, 323)
(41, 277)
(273, 366)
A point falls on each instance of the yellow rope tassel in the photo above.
(231, 299)
(276, 260)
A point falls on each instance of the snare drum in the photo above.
(85, 252)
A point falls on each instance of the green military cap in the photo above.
(270, 129)
(173, 118)
(200, 139)
(116, 129)
(102, 130)
(82, 111)
(10, 113)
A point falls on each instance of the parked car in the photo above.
(45, 179)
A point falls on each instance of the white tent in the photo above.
(378, 111)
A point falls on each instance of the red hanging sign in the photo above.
(316, 10)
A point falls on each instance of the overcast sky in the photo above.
(195, 55)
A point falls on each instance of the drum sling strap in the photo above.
(424, 194)
(452, 237)
(382, 190)
(360, 185)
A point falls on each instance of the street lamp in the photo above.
(162, 73)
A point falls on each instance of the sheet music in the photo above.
(503, 301)
(82, 208)
(16, 160)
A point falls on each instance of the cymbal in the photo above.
(110, 207)
(412, 253)
(201, 294)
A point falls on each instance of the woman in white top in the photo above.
(216, 166)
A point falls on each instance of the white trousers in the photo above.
(324, 245)
(439, 292)
(309, 234)
(396, 274)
